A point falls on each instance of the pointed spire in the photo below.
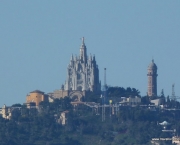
(94, 57)
(62, 87)
(75, 58)
(82, 40)
(83, 43)
(72, 58)
(90, 57)
(83, 55)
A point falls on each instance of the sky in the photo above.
(38, 37)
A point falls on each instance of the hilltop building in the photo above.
(82, 77)
(6, 112)
(130, 101)
(152, 79)
(36, 97)
(63, 119)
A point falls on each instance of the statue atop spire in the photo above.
(83, 54)
(72, 58)
(82, 40)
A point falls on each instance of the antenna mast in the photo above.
(105, 78)
(173, 93)
(104, 96)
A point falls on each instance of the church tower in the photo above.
(83, 72)
(152, 79)
(82, 77)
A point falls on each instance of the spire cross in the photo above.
(83, 40)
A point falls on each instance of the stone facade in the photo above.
(83, 72)
(36, 97)
(152, 79)
(82, 76)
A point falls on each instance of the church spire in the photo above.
(72, 58)
(82, 40)
(94, 58)
(152, 60)
(83, 54)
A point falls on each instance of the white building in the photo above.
(5, 112)
(63, 118)
(130, 101)
(82, 77)
(83, 72)
(176, 140)
(156, 102)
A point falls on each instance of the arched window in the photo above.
(79, 67)
(78, 76)
(79, 88)
(75, 98)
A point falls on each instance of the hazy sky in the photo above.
(37, 38)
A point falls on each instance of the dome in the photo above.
(152, 65)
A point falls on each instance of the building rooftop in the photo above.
(37, 91)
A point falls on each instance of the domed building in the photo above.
(152, 79)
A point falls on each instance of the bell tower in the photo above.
(152, 79)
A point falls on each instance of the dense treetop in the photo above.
(130, 125)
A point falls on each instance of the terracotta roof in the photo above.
(37, 91)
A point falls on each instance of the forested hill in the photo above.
(131, 125)
(122, 92)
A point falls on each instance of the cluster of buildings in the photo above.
(82, 78)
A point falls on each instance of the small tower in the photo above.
(83, 55)
(152, 79)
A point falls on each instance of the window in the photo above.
(79, 88)
(78, 76)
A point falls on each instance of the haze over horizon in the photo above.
(37, 39)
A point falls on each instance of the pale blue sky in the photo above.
(37, 38)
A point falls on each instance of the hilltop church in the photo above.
(82, 77)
